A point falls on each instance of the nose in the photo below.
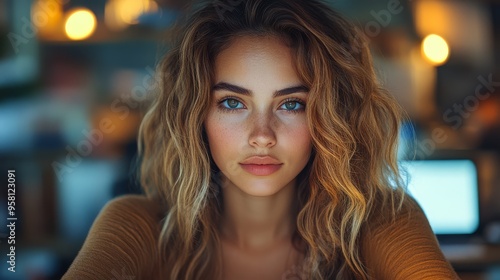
(263, 132)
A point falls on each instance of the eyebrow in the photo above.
(244, 91)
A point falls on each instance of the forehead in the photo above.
(257, 59)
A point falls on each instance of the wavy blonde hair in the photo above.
(353, 123)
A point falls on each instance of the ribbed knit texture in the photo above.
(405, 248)
(122, 244)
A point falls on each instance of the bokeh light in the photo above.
(80, 24)
(47, 16)
(435, 49)
(121, 13)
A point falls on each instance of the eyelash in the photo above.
(299, 101)
(226, 98)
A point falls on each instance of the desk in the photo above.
(474, 261)
(488, 274)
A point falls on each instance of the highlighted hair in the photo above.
(353, 123)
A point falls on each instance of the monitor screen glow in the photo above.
(447, 190)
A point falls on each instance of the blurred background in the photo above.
(75, 77)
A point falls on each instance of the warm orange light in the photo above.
(46, 16)
(433, 17)
(80, 24)
(121, 13)
(435, 49)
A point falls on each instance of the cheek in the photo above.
(303, 145)
(222, 137)
(297, 137)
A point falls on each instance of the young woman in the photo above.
(270, 153)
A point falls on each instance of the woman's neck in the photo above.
(258, 223)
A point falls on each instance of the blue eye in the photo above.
(292, 105)
(231, 103)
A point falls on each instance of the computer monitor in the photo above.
(448, 192)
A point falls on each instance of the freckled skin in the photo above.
(263, 66)
(258, 222)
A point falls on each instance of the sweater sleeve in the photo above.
(405, 248)
(122, 243)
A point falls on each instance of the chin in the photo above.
(262, 188)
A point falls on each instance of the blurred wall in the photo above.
(75, 77)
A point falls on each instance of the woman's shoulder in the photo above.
(396, 210)
(132, 211)
(133, 204)
(403, 246)
(123, 240)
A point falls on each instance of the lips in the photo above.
(261, 160)
(261, 165)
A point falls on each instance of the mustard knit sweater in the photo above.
(122, 244)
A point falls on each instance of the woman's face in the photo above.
(256, 125)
